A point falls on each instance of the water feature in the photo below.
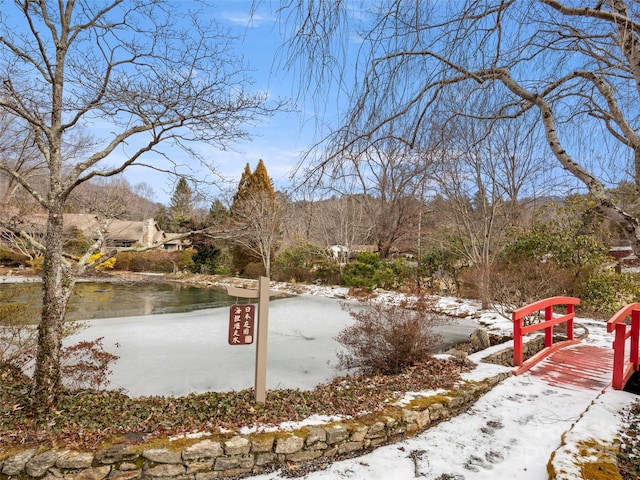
(93, 300)
(172, 339)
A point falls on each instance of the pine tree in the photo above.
(181, 205)
(218, 213)
(243, 186)
(260, 181)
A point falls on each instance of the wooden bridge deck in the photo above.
(580, 366)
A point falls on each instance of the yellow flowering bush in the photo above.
(106, 265)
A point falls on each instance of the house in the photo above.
(119, 233)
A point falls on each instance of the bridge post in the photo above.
(548, 331)
(635, 334)
(618, 356)
(517, 340)
(571, 314)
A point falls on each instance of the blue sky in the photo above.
(279, 141)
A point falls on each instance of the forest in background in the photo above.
(506, 253)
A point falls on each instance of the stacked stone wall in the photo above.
(505, 357)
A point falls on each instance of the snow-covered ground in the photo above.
(512, 432)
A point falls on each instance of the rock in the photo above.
(114, 454)
(38, 465)
(98, 473)
(162, 455)
(336, 433)
(164, 471)
(203, 449)
(359, 433)
(479, 340)
(132, 474)
(226, 463)
(15, 465)
(74, 460)
(316, 435)
(289, 445)
(262, 445)
(237, 446)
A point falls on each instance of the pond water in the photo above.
(172, 339)
(92, 300)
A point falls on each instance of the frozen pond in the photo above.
(176, 354)
(179, 353)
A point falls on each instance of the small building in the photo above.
(118, 234)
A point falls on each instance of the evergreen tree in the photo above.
(260, 181)
(181, 206)
(218, 213)
(243, 186)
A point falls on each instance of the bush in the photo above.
(106, 265)
(18, 333)
(547, 260)
(362, 271)
(387, 339)
(159, 261)
(86, 365)
(11, 259)
(294, 264)
(253, 270)
(607, 292)
(327, 273)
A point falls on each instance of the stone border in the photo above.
(245, 455)
(505, 357)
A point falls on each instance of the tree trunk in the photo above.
(484, 271)
(57, 285)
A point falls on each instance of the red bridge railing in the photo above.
(519, 330)
(625, 365)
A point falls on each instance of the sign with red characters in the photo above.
(241, 324)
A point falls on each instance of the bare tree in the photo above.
(576, 67)
(393, 182)
(342, 221)
(104, 86)
(258, 220)
(487, 173)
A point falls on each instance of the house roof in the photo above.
(117, 230)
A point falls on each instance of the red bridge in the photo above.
(569, 361)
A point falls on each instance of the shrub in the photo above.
(253, 270)
(19, 312)
(294, 264)
(387, 339)
(160, 261)
(106, 265)
(185, 259)
(9, 258)
(327, 272)
(36, 263)
(547, 260)
(607, 291)
(362, 271)
(86, 365)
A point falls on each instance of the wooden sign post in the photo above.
(262, 294)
